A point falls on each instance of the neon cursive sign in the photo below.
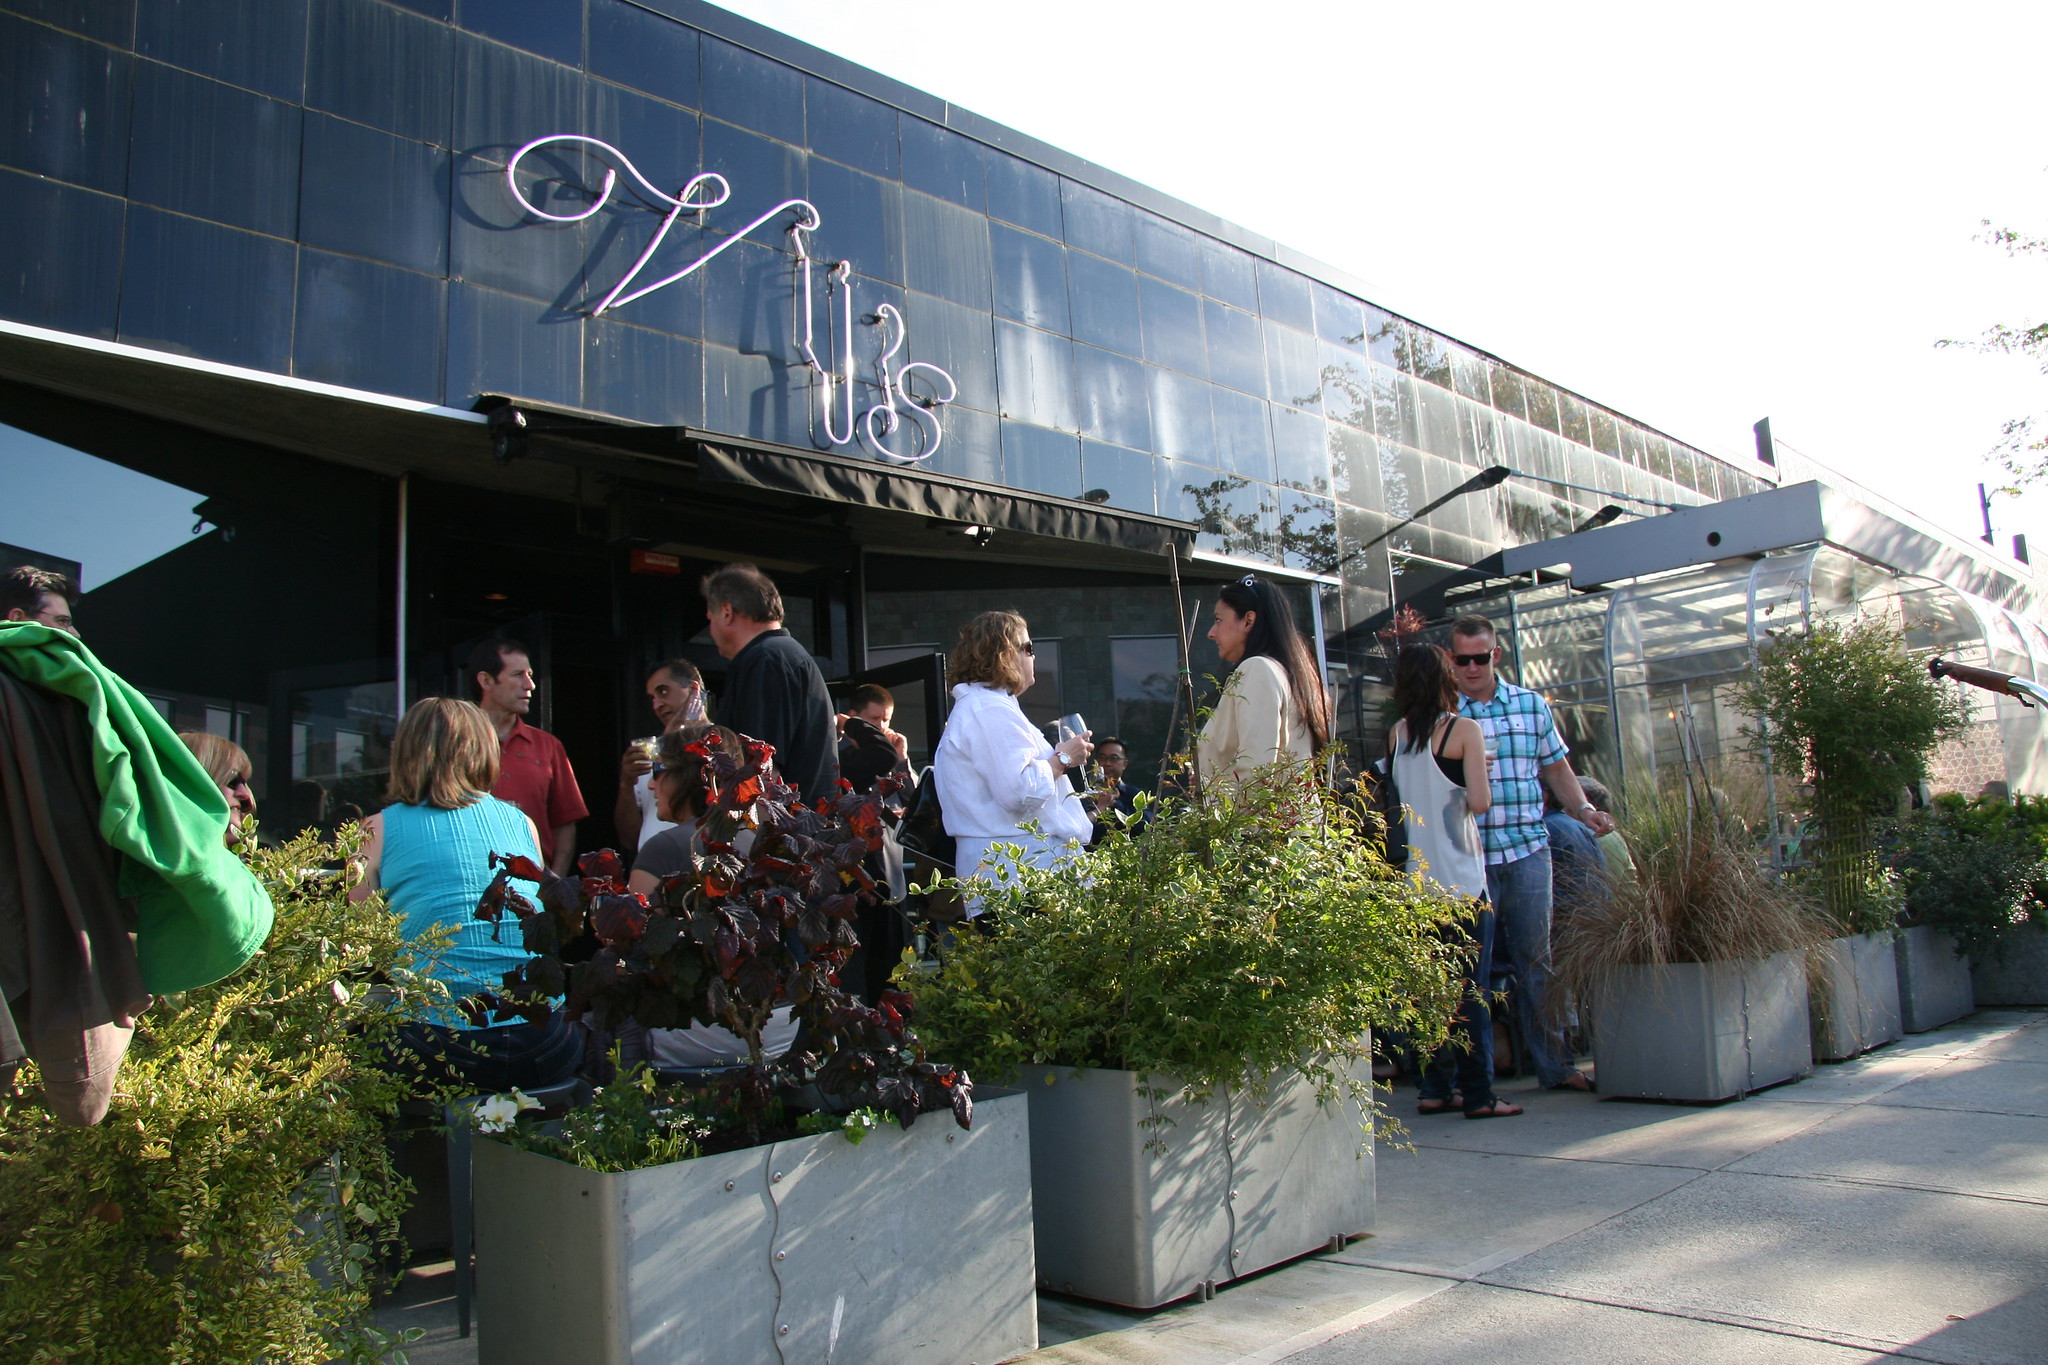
(902, 416)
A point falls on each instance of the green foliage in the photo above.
(1975, 870)
(1847, 707)
(2023, 446)
(854, 1126)
(229, 1206)
(1224, 943)
(631, 1123)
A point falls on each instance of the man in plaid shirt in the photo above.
(1525, 755)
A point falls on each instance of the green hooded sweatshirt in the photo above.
(200, 914)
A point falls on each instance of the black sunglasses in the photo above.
(1472, 660)
(1029, 648)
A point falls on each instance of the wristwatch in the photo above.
(1061, 755)
(1585, 806)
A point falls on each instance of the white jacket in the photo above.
(996, 771)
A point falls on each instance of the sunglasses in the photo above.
(1028, 648)
(1472, 660)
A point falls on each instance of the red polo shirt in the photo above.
(534, 775)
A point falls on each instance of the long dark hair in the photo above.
(1423, 690)
(1274, 635)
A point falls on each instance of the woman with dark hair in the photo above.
(683, 788)
(1273, 705)
(1439, 762)
(996, 772)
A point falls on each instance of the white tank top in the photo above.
(1443, 834)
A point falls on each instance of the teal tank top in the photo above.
(434, 868)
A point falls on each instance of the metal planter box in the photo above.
(1934, 983)
(911, 1247)
(2022, 979)
(1232, 1186)
(1702, 1031)
(1855, 996)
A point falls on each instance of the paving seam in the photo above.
(1349, 1322)
(1586, 1160)
(1831, 1178)
(1882, 1346)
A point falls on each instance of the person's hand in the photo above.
(1077, 749)
(898, 743)
(632, 764)
(1599, 821)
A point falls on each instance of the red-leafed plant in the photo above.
(763, 919)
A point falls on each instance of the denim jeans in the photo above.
(1520, 892)
(1469, 1054)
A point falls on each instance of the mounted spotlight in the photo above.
(980, 535)
(1098, 496)
(1598, 519)
(507, 426)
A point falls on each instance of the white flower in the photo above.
(500, 1112)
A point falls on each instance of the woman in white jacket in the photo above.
(996, 772)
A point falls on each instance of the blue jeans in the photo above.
(1469, 1054)
(1520, 892)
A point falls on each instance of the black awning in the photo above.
(916, 492)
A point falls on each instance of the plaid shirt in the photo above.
(1519, 720)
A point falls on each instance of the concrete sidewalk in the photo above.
(1893, 1206)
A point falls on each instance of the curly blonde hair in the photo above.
(986, 652)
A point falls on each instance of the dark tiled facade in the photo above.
(316, 188)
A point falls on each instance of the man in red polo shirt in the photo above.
(534, 772)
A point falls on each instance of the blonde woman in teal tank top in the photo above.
(430, 851)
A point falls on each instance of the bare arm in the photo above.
(369, 859)
(1470, 744)
(565, 846)
(1564, 785)
(626, 809)
(645, 883)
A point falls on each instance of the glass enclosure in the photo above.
(1640, 677)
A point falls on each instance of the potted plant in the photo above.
(1975, 885)
(1190, 1009)
(1845, 713)
(744, 1218)
(234, 1202)
(1692, 972)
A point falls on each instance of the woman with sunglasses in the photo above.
(227, 764)
(1273, 705)
(996, 772)
(1440, 771)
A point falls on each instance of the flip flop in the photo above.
(1495, 1108)
(1443, 1106)
(1578, 1081)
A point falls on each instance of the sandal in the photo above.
(1432, 1106)
(1578, 1081)
(1495, 1108)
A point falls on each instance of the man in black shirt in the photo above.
(773, 691)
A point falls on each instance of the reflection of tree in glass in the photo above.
(2022, 450)
(1304, 532)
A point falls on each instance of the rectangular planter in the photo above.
(1934, 982)
(2022, 979)
(913, 1246)
(1231, 1186)
(1855, 996)
(1702, 1031)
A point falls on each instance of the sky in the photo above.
(1697, 216)
(108, 518)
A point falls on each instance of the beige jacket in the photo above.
(1255, 723)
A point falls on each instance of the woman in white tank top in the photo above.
(1439, 762)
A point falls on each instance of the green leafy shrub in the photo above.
(1224, 943)
(1975, 870)
(1846, 707)
(230, 1206)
